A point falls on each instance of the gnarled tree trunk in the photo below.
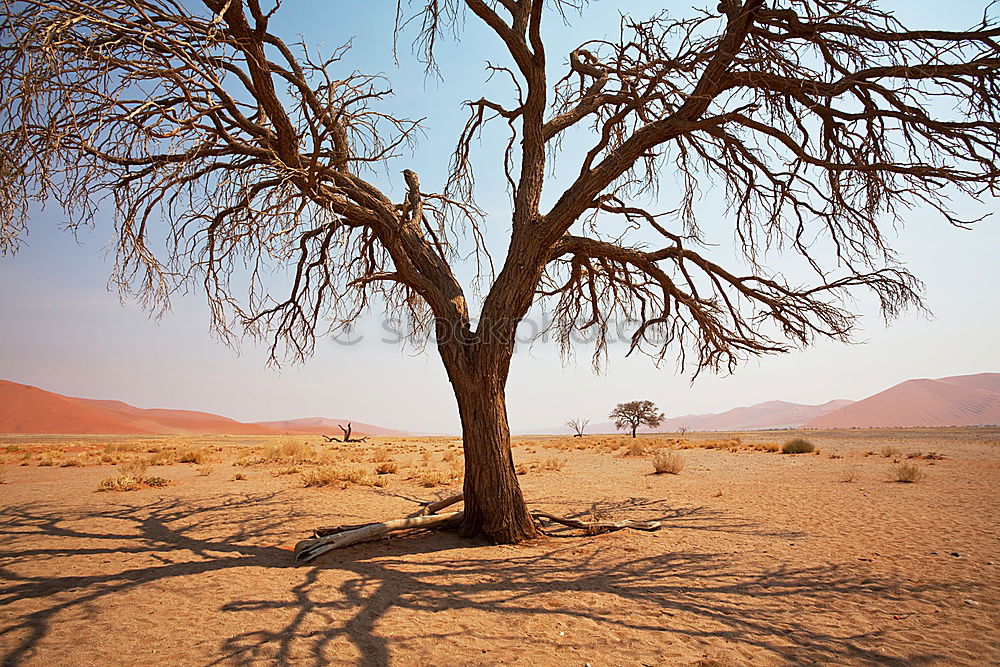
(494, 505)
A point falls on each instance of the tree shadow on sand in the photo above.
(349, 593)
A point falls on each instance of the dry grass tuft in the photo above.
(667, 461)
(797, 446)
(130, 477)
(284, 470)
(386, 468)
(907, 473)
(192, 456)
(849, 475)
(635, 448)
(890, 452)
(554, 464)
(381, 455)
(321, 476)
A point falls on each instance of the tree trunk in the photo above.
(494, 506)
(634, 427)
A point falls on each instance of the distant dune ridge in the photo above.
(27, 409)
(771, 414)
(962, 400)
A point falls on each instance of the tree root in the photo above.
(326, 538)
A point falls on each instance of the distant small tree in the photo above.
(633, 414)
(578, 425)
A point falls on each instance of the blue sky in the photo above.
(65, 331)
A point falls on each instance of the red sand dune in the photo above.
(963, 400)
(27, 409)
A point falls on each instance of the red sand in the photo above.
(27, 409)
(965, 400)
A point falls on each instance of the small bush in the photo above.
(239, 477)
(554, 464)
(72, 462)
(48, 459)
(797, 446)
(285, 470)
(521, 469)
(321, 476)
(431, 478)
(849, 475)
(204, 471)
(356, 476)
(156, 482)
(635, 448)
(381, 455)
(119, 483)
(667, 461)
(192, 456)
(386, 468)
(890, 452)
(296, 452)
(907, 473)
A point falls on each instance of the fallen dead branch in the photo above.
(334, 537)
(306, 550)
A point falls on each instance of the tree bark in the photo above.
(494, 506)
(634, 427)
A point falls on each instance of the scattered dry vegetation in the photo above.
(907, 473)
(667, 461)
(797, 446)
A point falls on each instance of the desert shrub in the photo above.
(285, 470)
(204, 471)
(907, 472)
(521, 469)
(934, 456)
(381, 455)
(767, 447)
(386, 468)
(239, 477)
(553, 463)
(915, 455)
(891, 452)
(356, 476)
(250, 460)
(130, 477)
(431, 478)
(667, 461)
(119, 483)
(321, 476)
(797, 446)
(635, 448)
(849, 474)
(48, 459)
(73, 461)
(296, 452)
(156, 482)
(448, 456)
(191, 456)
(122, 447)
(163, 458)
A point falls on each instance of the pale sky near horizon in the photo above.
(64, 331)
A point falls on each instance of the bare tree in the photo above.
(228, 153)
(578, 425)
(633, 414)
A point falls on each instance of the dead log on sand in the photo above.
(306, 550)
(328, 538)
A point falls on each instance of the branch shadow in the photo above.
(430, 573)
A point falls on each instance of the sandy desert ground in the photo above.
(765, 558)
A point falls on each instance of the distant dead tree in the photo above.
(578, 425)
(347, 434)
(228, 155)
(681, 430)
(633, 414)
